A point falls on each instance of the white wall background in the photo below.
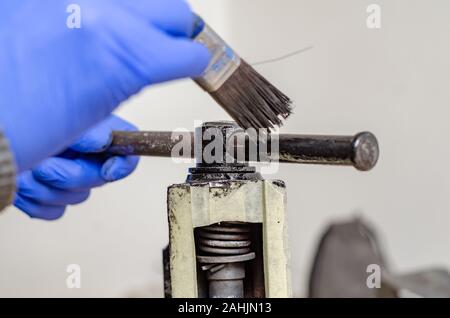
(393, 82)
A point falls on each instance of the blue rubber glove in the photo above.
(57, 82)
(67, 179)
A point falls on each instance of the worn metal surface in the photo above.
(218, 163)
(150, 143)
(261, 203)
(360, 151)
(225, 247)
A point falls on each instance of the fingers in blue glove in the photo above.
(172, 16)
(32, 189)
(79, 76)
(181, 58)
(80, 173)
(89, 171)
(67, 179)
(82, 169)
(142, 61)
(99, 138)
(38, 210)
(69, 174)
(139, 46)
(118, 167)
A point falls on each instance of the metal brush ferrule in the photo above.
(223, 64)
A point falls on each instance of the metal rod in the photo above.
(149, 143)
(360, 151)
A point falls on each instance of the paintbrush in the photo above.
(251, 100)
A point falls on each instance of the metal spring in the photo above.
(224, 243)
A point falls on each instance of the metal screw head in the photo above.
(365, 151)
(219, 131)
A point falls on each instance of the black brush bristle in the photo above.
(251, 100)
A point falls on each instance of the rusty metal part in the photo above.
(217, 163)
(222, 250)
(149, 143)
(166, 272)
(226, 259)
(256, 287)
(360, 151)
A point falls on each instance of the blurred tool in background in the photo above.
(349, 252)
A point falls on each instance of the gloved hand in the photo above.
(67, 179)
(57, 82)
